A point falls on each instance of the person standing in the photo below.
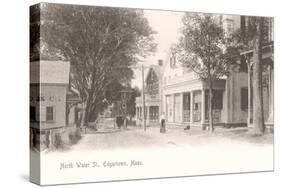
(162, 123)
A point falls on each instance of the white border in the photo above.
(15, 78)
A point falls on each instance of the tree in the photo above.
(258, 116)
(129, 102)
(254, 36)
(202, 48)
(132, 102)
(34, 42)
(238, 41)
(100, 42)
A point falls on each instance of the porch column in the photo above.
(202, 106)
(191, 107)
(147, 114)
(181, 107)
(173, 107)
(226, 102)
(271, 96)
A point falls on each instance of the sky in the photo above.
(167, 24)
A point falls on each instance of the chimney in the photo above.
(160, 62)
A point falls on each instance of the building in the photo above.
(268, 67)
(185, 96)
(153, 94)
(52, 103)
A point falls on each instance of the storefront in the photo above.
(52, 103)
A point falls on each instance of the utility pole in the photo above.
(143, 99)
(143, 92)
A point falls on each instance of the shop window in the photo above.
(50, 113)
(32, 112)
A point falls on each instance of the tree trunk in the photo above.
(86, 114)
(211, 126)
(67, 111)
(87, 110)
(258, 118)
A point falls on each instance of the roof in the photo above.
(156, 69)
(49, 72)
(72, 96)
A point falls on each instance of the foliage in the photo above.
(242, 39)
(130, 102)
(100, 42)
(58, 142)
(202, 47)
(253, 34)
(74, 136)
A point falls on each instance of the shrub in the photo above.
(75, 136)
(58, 143)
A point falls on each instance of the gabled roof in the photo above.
(72, 96)
(49, 72)
(155, 69)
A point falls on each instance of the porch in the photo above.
(191, 108)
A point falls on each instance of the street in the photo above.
(174, 153)
(174, 137)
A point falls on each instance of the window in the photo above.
(50, 113)
(32, 112)
(197, 102)
(229, 25)
(186, 107)
(177, 106)
(244, 98)
(217, 99)
(153, 113)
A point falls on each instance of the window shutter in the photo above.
(37, 118)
